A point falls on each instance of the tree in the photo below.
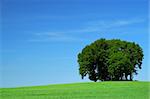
(92, 60)
(136, 57)
(119, 64)
(110, 60)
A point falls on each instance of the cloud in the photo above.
(54, 36)
(90, 26)
(102, 25)
(120, 23)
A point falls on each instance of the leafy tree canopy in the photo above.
(110, 60)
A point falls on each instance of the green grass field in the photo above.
(99, 90)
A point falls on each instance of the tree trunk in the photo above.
(126, 76)
(121, 77)
(130, 76)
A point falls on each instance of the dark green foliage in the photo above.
(110, 60)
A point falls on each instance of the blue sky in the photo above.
(41, 38)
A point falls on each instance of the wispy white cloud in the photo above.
(54, 36)
(120, 23)
(102, 25)
(91, 26)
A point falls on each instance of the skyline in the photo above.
(41, 38)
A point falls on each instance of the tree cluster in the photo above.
(110, 60)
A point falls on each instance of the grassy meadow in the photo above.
(98, 90)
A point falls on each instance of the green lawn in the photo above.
(99, 90)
